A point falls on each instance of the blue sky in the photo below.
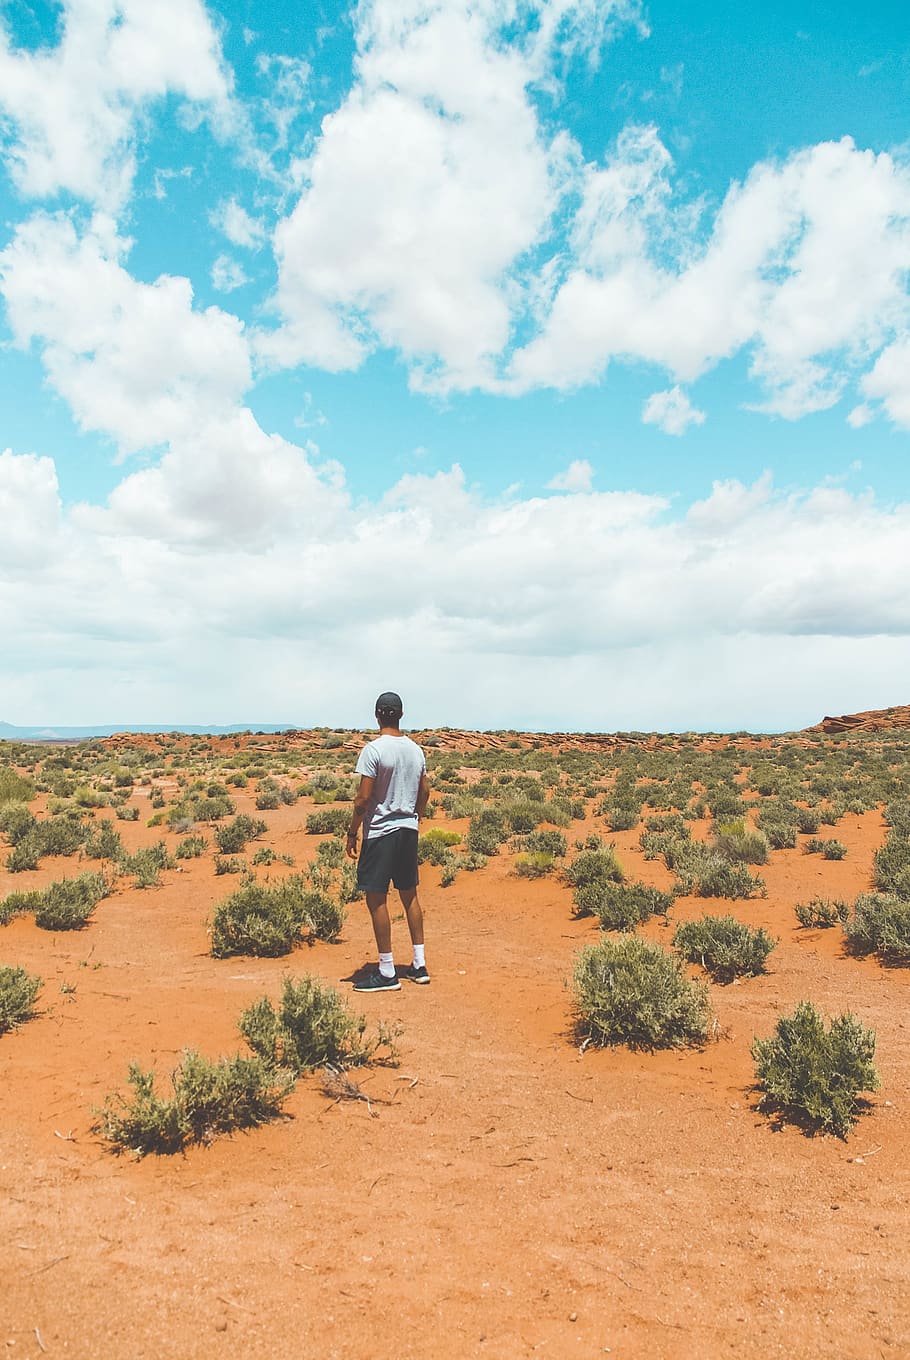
(550, 359)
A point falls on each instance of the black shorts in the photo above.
(390, 857)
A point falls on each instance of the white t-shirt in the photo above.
(395, 764)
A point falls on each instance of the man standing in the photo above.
(390, 801)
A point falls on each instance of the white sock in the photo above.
(386, 965)
(419, 959)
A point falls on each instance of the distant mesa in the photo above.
(876, 720)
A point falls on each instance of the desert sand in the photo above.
(503, 1194)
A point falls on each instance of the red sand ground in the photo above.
(511, 1198)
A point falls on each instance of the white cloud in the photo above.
(392, 239)
(671, 411)
(228, 274)
(29, 511)
(238, 225)
(576, 477)
(805, 263)
(889, 381)
(860, 415)
(74, 107)
(134, 360)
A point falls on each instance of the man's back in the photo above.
(395, 764)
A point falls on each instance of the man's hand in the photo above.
(351, 844)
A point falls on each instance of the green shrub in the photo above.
(807, 821)
(311, 1026)
(595, 864)
(724, 947)
(880, 925)
(820, 913)
(486, 832)
(267, 800)
(15, 788)
(209, 1098)
(813, 1073)
(620, 906)
(232, 838)
(16, 822)
(537, 864)
(18, 990)
(629, 991)
(191, 848)
(268, 921)
(705, 873)
(329, 821)
(68, 904)
(830, 849)
(891, 866)
(524, 815)
(228, 864)
(542, 842)
(330, 853)
(127, 814)
(19, 904)
(621, 817)
(737, 843)
(146, 864)
(103, 842)
(781, 835)
(434, 846)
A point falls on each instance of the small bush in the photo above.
(434, 846)
(486, 832)
(622, 906)
(629, 991)
(708, 874)
(329, 821)
(537, 864)
(15, 788)
(724, 947)
(19, 904)
(737, 843)
(68, 904)
(268, 800)
(268, 922)
(103, 842)
(892, 866)
(542, 842)
(18, 990)
(820, 913)
(232, 838)
(16, 822)
(814, 1073)
(807, 821)
(209, 1098)
(880, 925)
(595, 865)
(621, 817)
(146, 864)
(191, 848)
(312, 1026)
(781, 835)
(830, 849)
(127, 814)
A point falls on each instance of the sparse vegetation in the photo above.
(312, 1026)
(629, 991)
(724, 947)
(207, 1099)
(880, 924)
(816, 1074)
(18, 991)
(821, 913)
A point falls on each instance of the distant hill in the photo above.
(876, 720)
(10, 733)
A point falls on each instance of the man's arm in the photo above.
(361, 804)
(423, 794)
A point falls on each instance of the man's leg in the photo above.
(413, 912)
(377, 905)
(411, 903)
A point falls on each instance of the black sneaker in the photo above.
(375, 982)
(415, 974)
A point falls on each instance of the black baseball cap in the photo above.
(389, 702)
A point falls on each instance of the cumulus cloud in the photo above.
(426, 187)
(486, 600)
(671, 411)
(804, 265)
(134, 360)
(576, 477)
(74, 107)
(889, 381)
(238, 225)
